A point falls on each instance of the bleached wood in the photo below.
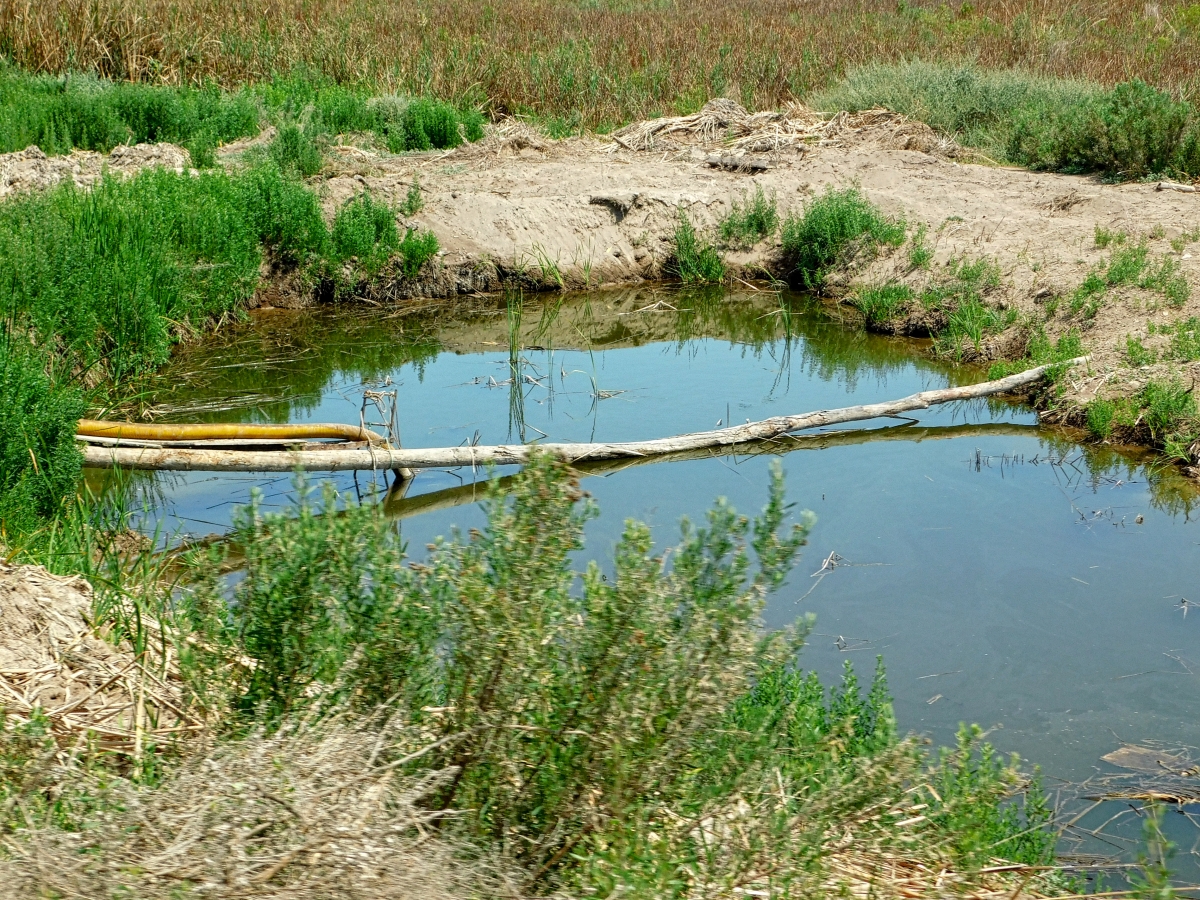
(379, 458)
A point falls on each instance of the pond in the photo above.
(1009, 574)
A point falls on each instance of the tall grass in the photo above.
(97, 286)
(39, 464)
(590, 64)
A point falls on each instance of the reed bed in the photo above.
(598, 62)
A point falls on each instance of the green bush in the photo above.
(423, 124)
(1166, 405)
(365, 230)
(39, 462)
(1101, 414)
(833, 226)
(583, 722)
(1137, 353)
(695, 260)
(69, 112)
(1131, 131)
(283, 214)
(750, 220)
(418, 247)
(1033, 120)
(294, 151)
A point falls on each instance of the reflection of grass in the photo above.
(514, 302)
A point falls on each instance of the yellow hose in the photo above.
(141, 432)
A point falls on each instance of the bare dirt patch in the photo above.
(32, 170)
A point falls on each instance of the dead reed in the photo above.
(316, 810)
(598, 62)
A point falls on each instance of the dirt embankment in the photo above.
(518, 208)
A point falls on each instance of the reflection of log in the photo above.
(438, 457)
(399, 505)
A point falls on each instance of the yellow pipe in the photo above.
(142, 432)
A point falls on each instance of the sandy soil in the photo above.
(32, 170)
(518, 207)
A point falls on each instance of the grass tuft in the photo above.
(833, 227)
(695, 260)
(882, 303)
(39, 463)
(750, 220)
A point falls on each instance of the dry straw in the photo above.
(87, 688)
(726, 123)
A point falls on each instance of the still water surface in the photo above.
(996, 565)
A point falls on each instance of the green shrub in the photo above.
(283, 214)
(695, 260)
(418, 247)
(1100, 416)
(1131, 131)
(1031, 119)
(1166, 406)
(1167, 279)
(972, 782)
(834, 225)
(413, 201)
(1185, 340)
(879, 304)
(1137, 353)
(69, 112)
(295, 152)
(366, 230)
(39, 462)
(424, 124)
(584, 721)
(750, 220)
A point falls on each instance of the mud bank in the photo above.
(521, 210)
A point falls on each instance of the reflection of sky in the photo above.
(1015, 592)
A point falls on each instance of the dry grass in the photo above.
(87, 690)
(315, 811)
(598, 62)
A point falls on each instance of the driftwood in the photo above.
(382, 457)
(734, 163)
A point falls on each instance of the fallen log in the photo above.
(382, 457)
